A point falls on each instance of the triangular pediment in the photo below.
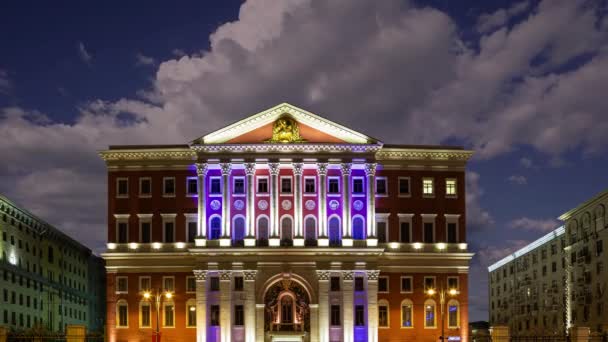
(285, 123)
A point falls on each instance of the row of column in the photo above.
(226, 168)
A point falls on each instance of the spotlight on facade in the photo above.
(394, 245)
(157, 245)
(453, 292)
(462, 246)
(417, 245)
(12, 259)
(133, 245)
(180, 245)
(441, 246)
(111, 245)
(430, 292)
(169, 295)
(147, 295)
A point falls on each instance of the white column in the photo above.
(323, 240)
(274, 204)
(372, 305)
(259, 322)
(323, 278)
(314, 322)
(225, 238)
(250, 237)
(201, 171)
(347, 305)
(347, 239)
(225, 306)
(297, 199)
(370, 172)
(250, 308)
(201, 305)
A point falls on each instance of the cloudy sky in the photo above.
(522, 83)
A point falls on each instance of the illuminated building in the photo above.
(304, 230)
(47, 279)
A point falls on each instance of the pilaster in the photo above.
(299, 237)
(274, 204)
(201, 305)
(259, 322)
(347, 239)
(225, 306)
(201, 172)
(225, 238)
(322, 240)
(370, 172)
(372, 305)
(323, 320)
(347, 303)
(250, 236)
(250, 307)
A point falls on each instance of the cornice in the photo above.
(285, 148)
(422, 154)
(148, 154)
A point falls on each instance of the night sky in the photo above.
(521, 83)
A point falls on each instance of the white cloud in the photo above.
(478, 218)
(5, 83)
(489, 22)
(536, 225)
(526, 162)
(518, 179)
(178, 52)
(144, 60)
(84, 54)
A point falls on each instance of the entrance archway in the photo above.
(286, 307)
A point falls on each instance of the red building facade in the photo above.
(287, 226)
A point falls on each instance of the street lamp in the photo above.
(442, 294)
(157, 296)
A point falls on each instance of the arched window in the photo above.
(191, 313)
(358, 228)
(429, 314)
(215, 227)
(122, 314)
(262, 231)
(334, 231)
(168, 314)
(286, 231)
(310, 231)
(407, 314)
(238, 231)
(453, 314)
(383, 314)
(145, 314)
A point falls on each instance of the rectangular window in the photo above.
(429, 232)
(190, 284)
(169, 284)
(381, 186)
(191, 316)
(428, 187)
(122, 232)
(239, 315)
(169, 232)
(286, 185)
(406, 285)
(192, 186)
(429, 315)
(381, 231)
(123, 315)
(169, 186)
(145, 315)
(383, 284)
(144, 284)
(215, 185)
(146, 232)
(599, 247)
(309, 186)
(335, 283)
(406, 315)
(358, 186)
(214, 315)
(333, 185)
(453, 283)
(450, 187)
(405, 232)
(452, 232)
(359, 315)
(122, 187)
(191, 231)
(262, 185)
(122, 285)
(214, 284)
(383, 316)
(429, 283)
(335, 315)
(238, 283)
(359, 284)
(238, 186)
(168, 314)
(145, 187)
(404, 186)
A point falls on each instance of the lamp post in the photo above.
(157, 296)
(442, 292)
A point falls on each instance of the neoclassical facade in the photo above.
(286, 226)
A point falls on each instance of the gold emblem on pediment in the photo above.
(285, 130)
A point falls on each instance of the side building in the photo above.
(48, 280)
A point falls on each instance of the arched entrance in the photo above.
(286, 310)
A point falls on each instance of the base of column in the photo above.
(323, 242)
(298, 242)
(200, 241)
(225, 242)
(249, 242)
(347, 242)
(274, 242)
(372, 242)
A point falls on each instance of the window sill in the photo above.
(310, 194)
(334, 194)
(215, 195)
(381, 195)
(284, 194)
(262, 194)
(358, 195)
(122, 196)
(168, 195)
(428, 195)
(145, 196)
(192, 195)
(451, 196)
(405, 195)
(238, 195)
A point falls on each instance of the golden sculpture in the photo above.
(285, 130)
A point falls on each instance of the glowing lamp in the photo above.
(453, 292)
(192, 308)
(462, 246)
(417, 245)
(147, 295)
(441, 246)
(430, 292)
(156, 245)
(12, 259)
(169, 295)
(111, 245)
(394, 245)
(133, 245)
(180, 245)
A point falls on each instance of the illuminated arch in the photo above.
(214, 227)
(381, 303)
(430, 313)
(407, 318)
(358, 227)
(238, 229)
(453, 305)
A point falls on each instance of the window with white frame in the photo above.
(428, 228)
(190, 284)
(405, 228)
(168, 227)
(310, 185)
(168, 314)
(383, 284)
(407, 285)
(453, 314)
(145, 314)
(404, 186)
(191, 186)
(383, 314)
(191, 227)
(286, 188)
(122, 187)
(333, 185)
(122, 230)
(429, 283)
(407, 314)
(122, 314)
(168, 186)
(382, 228)
(145, 283)
(358, 188)
(453, 283)
(381, 187)
(145, 228)
(191, 313)
(169, 284)
(429, 314)
(262, 182)
(122, 284)
(428, 187)
(451, 228)
(145, 187)
(215, 186)
(450, 187)
(238, 186)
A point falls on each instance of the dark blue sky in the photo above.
(516, 81)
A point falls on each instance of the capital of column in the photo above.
(346, 167)
(323, 275)
(250, 275)
(348, 275)
(225, 275)
(249, 169)
(201, 169)
(200, 275)
(274, 168)
(297, 169)
(370, 169)
(322, 169)
(226, 167)
(372, 275)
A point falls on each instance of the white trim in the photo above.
(143, 303)
(424, 282)
(309, 194)
(141, 195)
(430, 302)
(409, 187)
(450, 218)
(388, 284)
(403, 303)
(122, 216)
(244, 193)
(405, 218)
(455, 195)
(333, 194)
(377, 178)
(281, 226)
(209, 187)
(139, 279)
(429, 195)
(117, 289)
(165, 194)
(164, 288)
(457, 282)
(118, 223)
(457, 304)
(352, 186)
(188, 193)
(411, 278)
(385, 303)
(118, 180)
(262, 194)
(144, 218)
(119, 303)
(383, 217)
(232, 235)
(190, 218)
(429, 218)
(291, 185)
(168, 218)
